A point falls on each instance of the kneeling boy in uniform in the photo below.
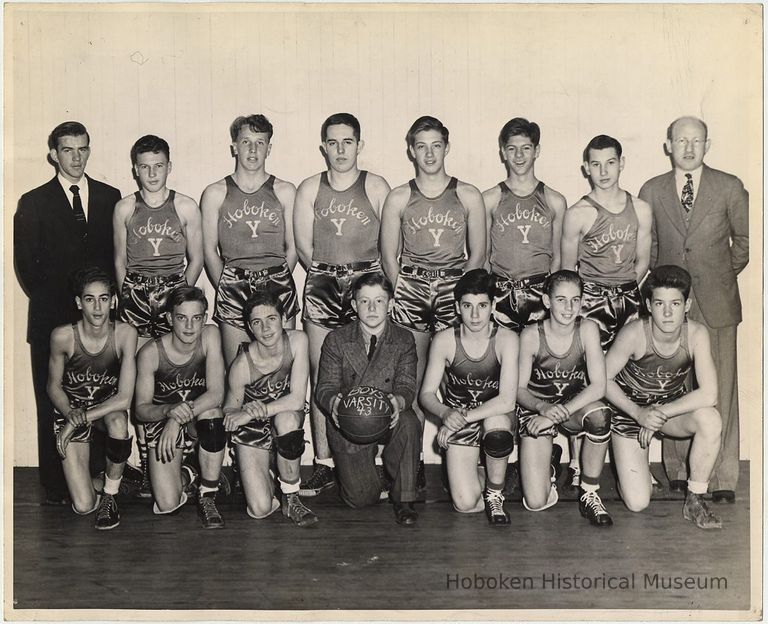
(92, 374)
(562, 378)
(474, 366)
(265, 407)
(179, 391)
(647, 368)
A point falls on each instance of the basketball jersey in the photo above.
(656, 378)
(469, 382)
(434, 229)
(155, 243)
(91, 378)
(267, 387)
(252, 227)
(608, 252)
(175, 383)
(346, 227)
(521, 234)
(558, 378)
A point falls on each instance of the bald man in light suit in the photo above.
(701, 223)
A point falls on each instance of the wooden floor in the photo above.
(363, 560)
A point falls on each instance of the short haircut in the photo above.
(266, 297)
(425, 123)
(182, 294)
(562, 277)
(519, 126)
(68, 128)
(376, 278)
(91, 275)
(602, 141)
(671, 127)
(668, 276)
(475, 282)
(150, 143)
(337, 119)
(256, 123)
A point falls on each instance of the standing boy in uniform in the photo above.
(248, 232)
(647, 368)
(155, 231)
(179, 391)
(264, 409)
(524, 219)
(336, 228)
(562, 378)
(427, 227)
(474, 366)
(607, 233)
(91, 381)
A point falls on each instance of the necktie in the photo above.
(77, 209)
(371, 348)
(687, 197)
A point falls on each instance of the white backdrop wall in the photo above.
(185, 72)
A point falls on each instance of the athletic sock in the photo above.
(574, 463)
(494, 486)
(112, 486)
(590, 484)
(288, 488)
(207, 486)
(325, 462)
(697, 487)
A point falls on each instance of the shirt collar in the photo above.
(65, 184)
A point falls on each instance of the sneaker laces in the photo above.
(208, 507)
(318, 477)
(592, 500)
(296, 508)
(495, 500)
(105, 508)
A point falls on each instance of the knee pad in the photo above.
(118, 450)
(211, 434)
(597, 423)
(291, 444)
(499, 443)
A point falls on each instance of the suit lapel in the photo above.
(670, 203)
(703, 202)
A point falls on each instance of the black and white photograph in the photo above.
(369, 311)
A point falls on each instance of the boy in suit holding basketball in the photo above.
(373, 352)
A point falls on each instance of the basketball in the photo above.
(364, 415)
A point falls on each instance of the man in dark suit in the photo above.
(701, 223)
(59, 227)
(372, 351)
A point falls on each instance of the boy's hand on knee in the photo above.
(63, 438)
(166, 444)
(538, 424)
(234, 420)
(395, 410)
(77, 417)
(182, 412)
(644, 437)
(256, 410)
(443, 436)
(651, 417)
(557, 414)
(455, 420)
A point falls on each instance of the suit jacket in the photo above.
(344, 365)
(713, 248)
(47, 250)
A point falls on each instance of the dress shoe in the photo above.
(405, 514)
(678, 485)
(724, 497)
